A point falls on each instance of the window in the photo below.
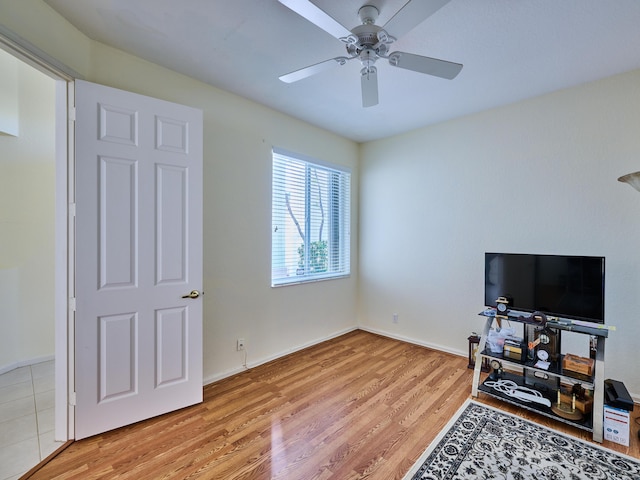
(310, 215)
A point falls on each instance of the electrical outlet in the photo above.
(240, 344)
(395, 318)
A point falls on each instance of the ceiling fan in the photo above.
(369, 42)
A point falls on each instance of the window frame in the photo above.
(339, 230)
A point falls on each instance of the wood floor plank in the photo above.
(356, 407)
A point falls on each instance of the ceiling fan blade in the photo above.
(313, 69)
(413, 13)
(369, 82)
(428, 65)
(318, 17)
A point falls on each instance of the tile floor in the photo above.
(26, 418)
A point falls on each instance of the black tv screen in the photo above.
(563, 286)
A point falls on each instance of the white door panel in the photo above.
(138, 252)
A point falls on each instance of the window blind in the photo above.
(310, 220)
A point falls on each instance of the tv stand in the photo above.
(591, 422)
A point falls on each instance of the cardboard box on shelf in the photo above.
(575, 364)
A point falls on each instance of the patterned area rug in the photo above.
(483, 443)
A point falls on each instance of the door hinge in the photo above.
(72, 209)
(72, 304)
(72, 113)
(72, 399)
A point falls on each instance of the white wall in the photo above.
(239, 135)
(238, 300)
(27, 193)
(431, 201)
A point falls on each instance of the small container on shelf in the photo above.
(515, 349)
(577, 367)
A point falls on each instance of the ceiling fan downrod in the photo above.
(368, 14)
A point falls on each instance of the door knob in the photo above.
(192, 294)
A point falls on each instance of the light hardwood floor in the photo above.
(358, 406)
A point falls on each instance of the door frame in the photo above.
(64, 277)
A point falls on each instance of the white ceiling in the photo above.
(511, 50)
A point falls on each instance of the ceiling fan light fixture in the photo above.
(368, 57)
(632, 179)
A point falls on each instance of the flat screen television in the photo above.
(563, 286)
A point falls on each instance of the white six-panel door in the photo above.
(138, 350)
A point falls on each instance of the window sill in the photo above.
(297, 281)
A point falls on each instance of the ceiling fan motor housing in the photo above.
(368, 41)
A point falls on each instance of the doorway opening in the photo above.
(34, 260)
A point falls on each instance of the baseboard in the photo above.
(263, 360)
(413, 341)
(24, 363)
